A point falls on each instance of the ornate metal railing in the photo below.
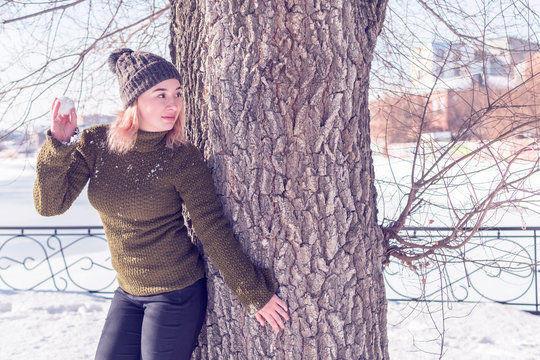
(55, 258)
(498, 264)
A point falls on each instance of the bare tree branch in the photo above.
(39, 13)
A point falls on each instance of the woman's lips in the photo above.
(169, 117)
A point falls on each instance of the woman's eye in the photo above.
(178, 95)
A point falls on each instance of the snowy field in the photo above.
(53, 325)
(66, 325)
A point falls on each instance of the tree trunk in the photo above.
(277, 95)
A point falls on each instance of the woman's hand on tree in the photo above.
(62, 126)
(274, 312)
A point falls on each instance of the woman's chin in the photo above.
(168, 122)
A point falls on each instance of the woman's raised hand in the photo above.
(273, 312)
(62, 126)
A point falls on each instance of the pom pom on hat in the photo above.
(113, 58)
(138, 71)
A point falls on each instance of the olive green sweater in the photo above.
(139, 197)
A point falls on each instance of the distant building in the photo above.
(36, 139)
(33, 141)
(16, 142)
(458, 66)
(457, 88)
(443, 115)
(95, 119)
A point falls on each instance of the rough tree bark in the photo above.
(277, 97)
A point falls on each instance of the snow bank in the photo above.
(50, 325)
(483, 331)
(41, 325)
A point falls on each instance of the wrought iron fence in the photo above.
(55, 258)
(498, 264)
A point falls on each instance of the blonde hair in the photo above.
(123, 131)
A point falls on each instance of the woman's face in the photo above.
(159, 106)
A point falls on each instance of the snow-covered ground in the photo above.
(54, 325)
(66, 325)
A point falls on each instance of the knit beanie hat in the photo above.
(138, 71)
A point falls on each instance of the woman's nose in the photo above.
(172, 102)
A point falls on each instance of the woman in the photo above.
(139, 172)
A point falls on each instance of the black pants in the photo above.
(157, 327)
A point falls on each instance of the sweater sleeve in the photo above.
(62, 173)
(253, 286)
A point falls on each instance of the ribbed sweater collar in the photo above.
(149, 140)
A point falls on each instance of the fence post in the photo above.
(535, 269)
